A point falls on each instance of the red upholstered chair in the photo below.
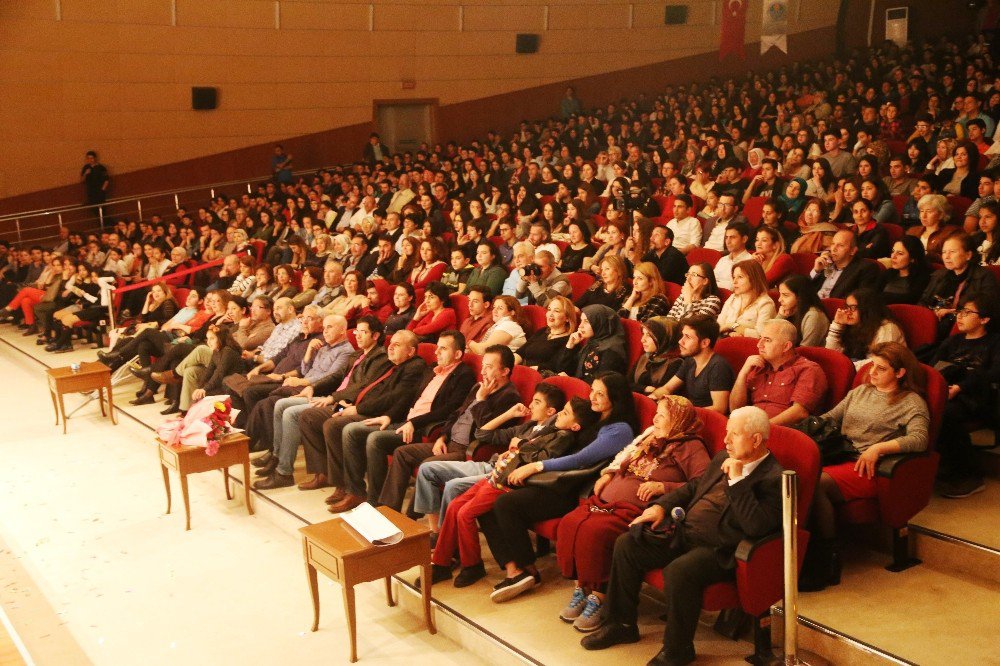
(352, 338)
(894, 230)
(701, 255)
(804, 262)
(958, 207)
(831, 305)
(258, 247)
(384, 289)
(525, 379)
(995, 270)
(426, 351)
(460, 303)
(736, 350)
(580, 281)
(724, 295)
(535, 315)
(645, 410)
(474, 361)
(839, 372)
(918, 323)
(904, 481)
(180, 295)
(571, 386)
(754, 210)
(633, 340)
(562, 245)
(759, 565)
(673, 290)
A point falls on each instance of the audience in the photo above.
(750, 305)
(704, 377)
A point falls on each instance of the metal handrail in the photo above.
(59, 211)
(145, 195)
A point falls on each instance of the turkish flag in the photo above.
(734, 21)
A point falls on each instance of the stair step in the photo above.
(953, 555)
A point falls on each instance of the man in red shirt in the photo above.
(786, 385)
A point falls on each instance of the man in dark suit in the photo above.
(389, 393)
(669, 261)
(738, 497)
(332, 393)
(375, 150)
(488, 399)
(368, 443)
(839, 271)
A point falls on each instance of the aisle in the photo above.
(92, 571)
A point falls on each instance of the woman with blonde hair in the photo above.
(541, 349)
(647, 298)
(610, 289)
(749, 306)
(769, 246)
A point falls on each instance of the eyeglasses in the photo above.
(850, 308)
(966, 311)
(694, 275)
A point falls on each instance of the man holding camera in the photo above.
(542, 281)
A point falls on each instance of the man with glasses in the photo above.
(970, 363)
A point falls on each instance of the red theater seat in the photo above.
(535, 315)
(580, 281)
(702, 255)
(633, 340)
(460, 303)
(919, 324)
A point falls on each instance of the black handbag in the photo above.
(834, 448)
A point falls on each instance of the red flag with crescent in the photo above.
(734, 21)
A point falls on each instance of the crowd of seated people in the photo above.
(617, 246)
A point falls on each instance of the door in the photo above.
(405, 125)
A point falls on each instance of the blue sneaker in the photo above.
(592, 617)
(575, 607)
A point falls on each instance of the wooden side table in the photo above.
(336, 549)
(93, 376)
(234, 449)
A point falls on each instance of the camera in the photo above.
(532, 269)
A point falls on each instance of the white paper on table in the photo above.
(372, 525)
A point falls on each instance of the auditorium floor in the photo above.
(92, 571)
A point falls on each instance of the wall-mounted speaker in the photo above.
(204, 99)
(675, 15)
(527, 43)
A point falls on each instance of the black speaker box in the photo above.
(204, 99)
(675, 15)
(527, 43)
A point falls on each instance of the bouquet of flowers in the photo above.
(208, 421)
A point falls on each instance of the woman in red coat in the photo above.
(432, 317)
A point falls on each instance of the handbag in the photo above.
(834, 448)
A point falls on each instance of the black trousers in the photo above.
(260, 423)
(686, 574)
(405, 459)
(506, 526)
(958, 457)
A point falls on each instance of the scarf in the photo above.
(683, 425)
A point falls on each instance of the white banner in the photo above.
(774, 26)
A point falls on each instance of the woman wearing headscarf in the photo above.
(597, 345)
(661, 357)
(794, 197)
(664, 457)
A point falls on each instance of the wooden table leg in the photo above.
(225, 480)
(100, 399)
(111, 404)
(166, 484)
(352, 623)
(187, 502)
(246, 487)
(62, 409)
(425, 593)
(388, 591)
(313, 584)
(55, 405)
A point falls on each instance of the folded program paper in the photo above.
(372, 525)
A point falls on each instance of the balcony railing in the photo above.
(42, 226)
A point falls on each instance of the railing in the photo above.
(42, 225)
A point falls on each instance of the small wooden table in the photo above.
(94, 376)
(336, 549)
(234, 449)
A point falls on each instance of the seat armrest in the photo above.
(887, 465)
(568, 479)
(746, 549)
